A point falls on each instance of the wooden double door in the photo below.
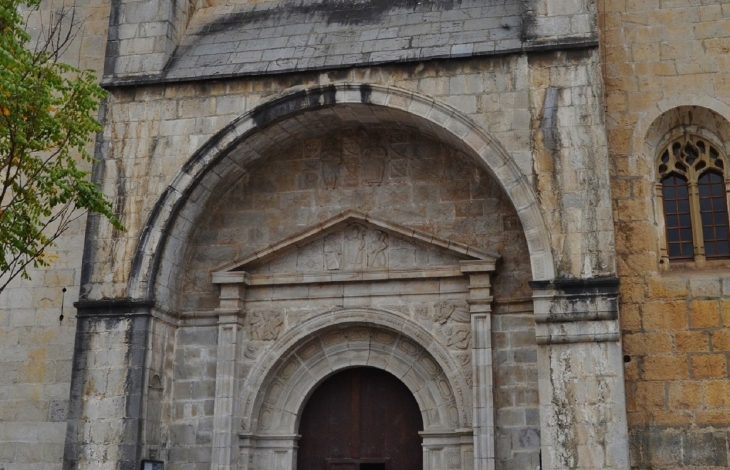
(361, 419)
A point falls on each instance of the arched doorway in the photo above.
(361, 419)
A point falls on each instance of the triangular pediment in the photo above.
(353, 246)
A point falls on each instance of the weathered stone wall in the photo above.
(388, 172)
(543, 109)
(516, 400)
(153, 375)
(664, 62)
(174, 40)
(192, 398)
(36, 349)
(152, 131)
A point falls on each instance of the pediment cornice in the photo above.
(353, 246)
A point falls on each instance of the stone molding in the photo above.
(192, 185)
(113, 307)
(576, 310)
(267, 365)
(275, 391)
(654, 112)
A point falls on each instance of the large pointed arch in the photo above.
(249, 136)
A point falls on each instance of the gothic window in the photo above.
(693, 189)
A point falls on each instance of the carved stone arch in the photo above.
(656, 121)
(273, 397)
(253, 134)
(282, 380)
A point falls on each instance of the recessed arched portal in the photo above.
(361, 419)
(222, 161)
(279, 386)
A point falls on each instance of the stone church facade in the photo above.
(473, 197)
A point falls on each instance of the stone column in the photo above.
(107, 385)
(580, 374)
(225, 417)
(480, 307)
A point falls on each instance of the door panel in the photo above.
(361, 419)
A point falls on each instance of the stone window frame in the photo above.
(673, 160)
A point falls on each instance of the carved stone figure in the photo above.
(354, 252)
(331, 160)
(333, 252)
(251, 351)
(265, 326)
(350, 145)
(399, 168)
(350, 166)
(374, 165)
(312, 148)
(457, 336)
(451, 311)
(377, 246)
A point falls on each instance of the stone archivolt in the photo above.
(350, 345)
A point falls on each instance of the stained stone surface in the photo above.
(388, 173)
(274, 36)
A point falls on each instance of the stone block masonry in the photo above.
(664, 62)
(231, 126)
(152, 41)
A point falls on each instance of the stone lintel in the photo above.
(315, 277)
(435, 438)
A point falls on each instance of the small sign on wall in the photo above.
(152, 465)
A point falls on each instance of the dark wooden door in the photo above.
(361, 419)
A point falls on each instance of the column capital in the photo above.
(232, 297)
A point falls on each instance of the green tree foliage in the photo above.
(47, 120)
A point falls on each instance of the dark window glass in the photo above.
(713, 211)
(678, 219)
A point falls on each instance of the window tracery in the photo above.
(692, 188)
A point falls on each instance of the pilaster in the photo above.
(225, 418)
(580, 374)
(106, 405)
(480, 308)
